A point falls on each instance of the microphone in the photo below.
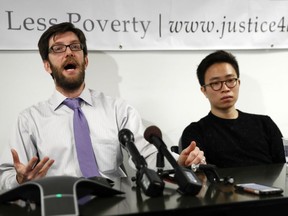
(187, 180)
(150, 182)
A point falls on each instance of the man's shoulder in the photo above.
(32, 112)
(248, 117)
(100, 97)
(198, 124)
(252, 115)
(37, 106)
(96, 94)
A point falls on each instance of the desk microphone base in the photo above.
(58, 195)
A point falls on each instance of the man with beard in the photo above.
(43, 143)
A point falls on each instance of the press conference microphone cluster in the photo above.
(186, 179)
(148, 180)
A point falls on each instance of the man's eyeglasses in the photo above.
(59, 48)
(216, 86)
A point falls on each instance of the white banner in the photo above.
(150, 24)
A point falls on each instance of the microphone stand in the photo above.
(160, 164)
(208, 169)
(187, 181)
(151, 184)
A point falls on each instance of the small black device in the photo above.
(258, 189)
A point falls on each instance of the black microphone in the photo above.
(150, 182)
(187, 180)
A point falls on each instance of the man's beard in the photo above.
(65, 82)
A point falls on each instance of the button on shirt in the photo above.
(46, 129)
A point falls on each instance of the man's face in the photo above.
(68, 67)
(225, 97)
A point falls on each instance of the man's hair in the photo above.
(52, 31)
(219, 56)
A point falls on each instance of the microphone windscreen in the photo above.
(152, 131)
(125, 135)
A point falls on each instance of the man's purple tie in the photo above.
(85, 153)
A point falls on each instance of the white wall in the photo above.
(161, 85)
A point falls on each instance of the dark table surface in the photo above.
(213, 199)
